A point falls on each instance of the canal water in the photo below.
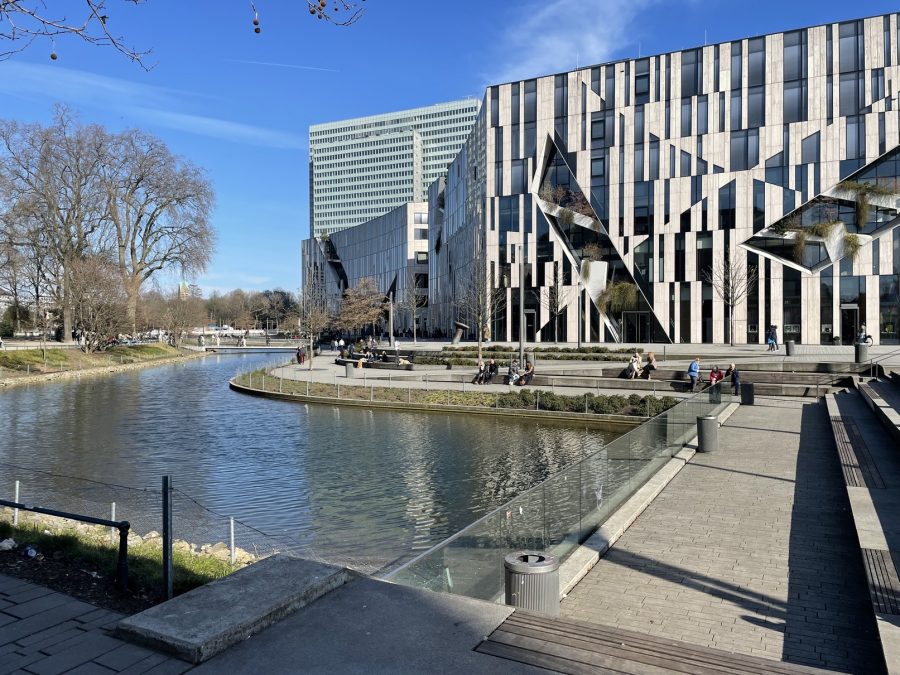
(346, 485)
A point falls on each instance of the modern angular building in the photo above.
(392, 250)
(362, 168)
(614, 193)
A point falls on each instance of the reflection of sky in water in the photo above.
(344, 484)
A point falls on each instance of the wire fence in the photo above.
(203, 528)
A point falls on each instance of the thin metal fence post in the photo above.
(409, 395)
(448, 397)
(112, 516)
(585, 404)
(537, 400)
(167, 535)
(307, 387)
(231, 540)
(280, 382)
(372, 393)
(16, 511)
(122, 572)
(338, 389)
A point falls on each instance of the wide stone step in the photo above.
(207, 620)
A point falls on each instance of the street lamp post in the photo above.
(521, 307)
(580, 306)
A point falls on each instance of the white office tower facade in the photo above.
(360, 169)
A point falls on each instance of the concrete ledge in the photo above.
(885, 413)
(580, 562)
(889, 632)
(206, 621)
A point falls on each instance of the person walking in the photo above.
(775, 337)
(693, 372)
(299, 356)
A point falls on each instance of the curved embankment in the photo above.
(621, 423)
(98, 370)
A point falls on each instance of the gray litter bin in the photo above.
(790, 346)
(862, 352)
(350, 370)
(747, 393)
(707, 433)
(715, 393)
(531, 580)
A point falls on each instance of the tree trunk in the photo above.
(132, 292)
(311, 340)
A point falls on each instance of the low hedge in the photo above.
(522, 399)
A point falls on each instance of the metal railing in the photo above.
(560, 513)
(123, 526)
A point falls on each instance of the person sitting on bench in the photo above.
(528, 375)
(491, 371)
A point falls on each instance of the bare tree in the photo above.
(51, 176)
(180, 315)
(732, 281)
(313, 316)
(411, 298)
(24, 21)
(478, 301)
(361, 305)
(159, 208)
(98, 300)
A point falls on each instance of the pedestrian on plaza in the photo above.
(715, 375)
(693, 372)
(334, 345)
(299, 356)
(774, 338)
(341, 344)
(735, 376)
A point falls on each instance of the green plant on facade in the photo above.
(566, 217)
(618, 297)
(862, 192)
(800, 237)
(822, 230)
(852, 244)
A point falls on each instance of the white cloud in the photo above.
(213, 127)
(293, 66)
(553, 35)
(160, 106)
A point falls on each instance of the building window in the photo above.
(643, 207)
(530, 103)
(686, 116)
(756, 57)
(744, 149)
(756, 107)
(642, 81)
(702, 114)
(736, 65)
(691, 72)
(421, 257)
(420, 218)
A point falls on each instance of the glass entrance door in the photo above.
(637, 327)
(849, 323)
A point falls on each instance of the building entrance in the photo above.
(636, 327)
(849, 323)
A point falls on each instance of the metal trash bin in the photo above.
(531, 580)
(350, 370)
(747, 393)
(707, 433)
(862, 352)
(789, 347)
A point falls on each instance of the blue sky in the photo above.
(239, 104)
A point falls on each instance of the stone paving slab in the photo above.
(48, 633)
(749, 549)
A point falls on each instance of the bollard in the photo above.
(707, 433)
(531, 581)
(231, 539)
(861, 350)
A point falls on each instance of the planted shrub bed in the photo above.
(525, 399)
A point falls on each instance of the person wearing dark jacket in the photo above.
(735, 376)
(491, 371)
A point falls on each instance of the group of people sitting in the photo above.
(636, 369)
(515, 375)
(486, 373)
(732, 374)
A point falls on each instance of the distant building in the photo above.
(391, 249)
(362, 168)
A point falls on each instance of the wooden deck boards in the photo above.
(857, 465)
(884, 584)
(570, 646)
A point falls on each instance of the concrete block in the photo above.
(207, 620)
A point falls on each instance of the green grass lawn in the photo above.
(36, 361)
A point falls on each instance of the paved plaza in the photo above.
(750, 549)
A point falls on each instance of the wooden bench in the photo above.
(856, 462)
(884, 584)
(569, 646)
